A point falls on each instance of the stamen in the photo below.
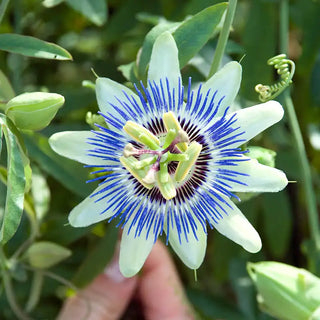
(171, 122)
(141, 134)
(149, 165)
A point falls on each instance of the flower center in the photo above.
(149, 158)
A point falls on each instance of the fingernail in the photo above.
(112, 271)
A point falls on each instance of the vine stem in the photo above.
(223, 38)
(7, 283)
(298, 140)
(3, 8)
(35, 291)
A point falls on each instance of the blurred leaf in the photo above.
(40, 193)
(34, 110)
(243, 288)
(94, 10)
(149, 18)
(69, 173)
(97, 259)
(6, 90)
(45, 254)
(277, 222)
(213, 308)
(128, 72)
(15, 184)
(194, 33)
(315, 80)
(18, 272)
(313, 254)
(32, 47)
(51, 3)
(56, 230)
(260, 31)
(306, 14)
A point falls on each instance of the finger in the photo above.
(106, 298)
(160, 289)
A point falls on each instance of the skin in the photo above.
(158, 289)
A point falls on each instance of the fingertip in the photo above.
(160, 289)
(107, 297)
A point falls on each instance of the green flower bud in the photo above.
(263, 155)
(45, 254)
(34, 110)
(286, 292)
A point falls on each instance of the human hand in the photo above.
(158, 289)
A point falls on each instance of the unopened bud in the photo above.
(34, 110)
(286, 292)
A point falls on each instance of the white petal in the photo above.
(108, 92)
(236, 227)
(88, 211)
(164, 62)
(255, 119)
(73, 145)
(192, 252)
(134, 250)
(260, 178)
(227, 83)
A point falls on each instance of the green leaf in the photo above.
(40, 193)
(95, 11)
(149, 40)
(212, 307)
(97, 259)
(45, 254)
(128, 71)
(260, 31)
(34, 110)
(72, 175)
(190, 35)
(51, 3)
(277, 222)
(6, 90)
(1, 133)
(243, 288)
(32, 47)
(15, 184)
(194, 33)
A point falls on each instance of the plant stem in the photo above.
(7, 283)
(298, 140)
(306, 172)
(223, 38)
(3, 8)
(35, 291)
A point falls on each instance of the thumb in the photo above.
(106, 298)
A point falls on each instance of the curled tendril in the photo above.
(285, 68)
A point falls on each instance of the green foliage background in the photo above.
(105, 42)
